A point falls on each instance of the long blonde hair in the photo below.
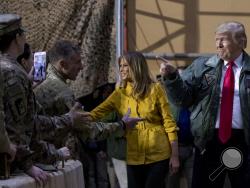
(139, 73)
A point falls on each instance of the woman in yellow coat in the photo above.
(152, 144)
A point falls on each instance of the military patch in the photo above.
(210, 79)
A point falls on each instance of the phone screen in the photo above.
(40, 66)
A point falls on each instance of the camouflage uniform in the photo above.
(57, 98)
(20, 111)
(4, 139)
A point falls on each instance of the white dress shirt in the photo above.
(237, 115)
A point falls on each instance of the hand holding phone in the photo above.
(40, 66)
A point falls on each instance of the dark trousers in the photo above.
(147, 176)
(205, 164)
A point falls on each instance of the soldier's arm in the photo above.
(5, 146)
(4, 139)
(46, 153)
(48, 123)
(101, 130)
(73, 118)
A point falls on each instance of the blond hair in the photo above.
(237, 31)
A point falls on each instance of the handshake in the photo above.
(79, 117)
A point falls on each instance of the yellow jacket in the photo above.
(150, 140)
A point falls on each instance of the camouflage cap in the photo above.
(9, 22)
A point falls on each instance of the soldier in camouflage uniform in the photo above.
(6, 146)
(21, 119)
(56, 98)
(45, 153)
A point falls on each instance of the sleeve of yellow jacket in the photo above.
(168, 120)
(105, 107)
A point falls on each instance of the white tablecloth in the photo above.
(71, 176)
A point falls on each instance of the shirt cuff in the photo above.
(172, 136)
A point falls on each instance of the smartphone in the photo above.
(39, 66)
